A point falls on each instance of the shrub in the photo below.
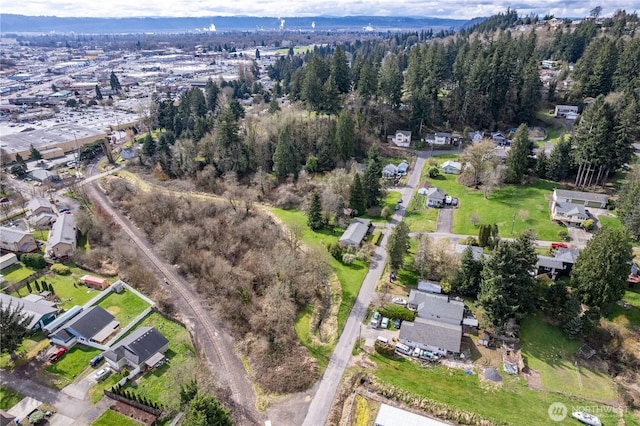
(60, 269)
(588, 225)
(335, 250)
(348, 258)
(33, 260)
(563, 234)
(376, 237)
(384, 348)
(470, 241)
(434, 172)
(396, 311)
(386, 212)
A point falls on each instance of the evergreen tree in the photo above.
(205, 410)
(542, 164)
(398, 245)
(371, 184)
(315, 212)
(98, 93)
(628, 205)
(559, 165)
(368, 81)
(285, 156)
(467, 278)
(229, 152)
(600, 273)
(345, 136)
(330, 98)
(29, 287)
(115, 83)
(391, 82)
(340, 70)
(519, 155)
(505, 289)
(149, 146)
(211, 95)
(356, 196)
(13, 324)
(274, 106)
(34, 154)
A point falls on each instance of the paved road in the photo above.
(215, 344)
(321, 403)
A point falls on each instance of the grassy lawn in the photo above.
(123, 306)
(17, 272)
(64, 287)
(627, 317)
(8, 398)
(29, 348)
(74, 362)
(420, 218)
(321, 353)
(162, 384)
(612, 222)
(547, 350)
(350, 276)
(111, 418)
(512, 402)
(97, 391)
(41, 234)
(505, 206)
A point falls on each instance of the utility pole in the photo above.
(513, 222)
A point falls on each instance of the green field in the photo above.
(511, 402)
(162, 384)
(125, 306)
(612, 222)
(321, 353)
(504, 207)
(8, 398)
(16, 273)
(627, 317)
(350, 276)
(72, 363)
(548, 351)
(111, 418)
(420, 218)
(65, 290)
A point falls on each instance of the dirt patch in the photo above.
(533, 378)
(134, 413)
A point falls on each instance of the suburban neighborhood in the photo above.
(425, 225)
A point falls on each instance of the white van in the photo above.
(403, 349)
(416, 352)
(382, 339)
(375, 320)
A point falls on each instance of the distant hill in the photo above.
(44, 24)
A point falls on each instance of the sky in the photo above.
(457, 9)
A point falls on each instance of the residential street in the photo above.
(321, 402)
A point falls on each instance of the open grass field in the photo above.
(112, 418)
(72, 363)
(350, 276)
(512, 402)
(8, 398)
(17, 272)
(28, 349)
(123, 306)
(516, 207)
(420, 218)
(321, 353)
(548, 351)
(612, 222)
(162, 384)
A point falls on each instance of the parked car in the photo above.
(397, 323)
(102, 374)
(96, 360)
(64, 210)
(57, 354)
(385, 323)
(4, 200)
(400, 201)
(399, 301)
(416, 352)
(375, 320)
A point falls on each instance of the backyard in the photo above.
(514, 208)
(17, 272)
(72, 364)
(550, 353)
(125, 306)
(112, 418)
(510, 402)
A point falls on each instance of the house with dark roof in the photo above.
(41, 310)
(560, 263)
(438, 327)
(145, 346)
(355, 233)
(91, 327)
(16, 240)
(62, 238)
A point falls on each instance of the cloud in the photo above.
(196, 8)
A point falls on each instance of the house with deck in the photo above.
(92, 327)
(145, 347)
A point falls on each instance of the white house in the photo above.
(563, 110)
(402, 138)
(435, 197)
(442, 138)
(476, 137)
(62, 238)
(355, 233)
(389, 171)
(451, 167)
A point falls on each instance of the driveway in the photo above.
(445, 221)
(579, 236)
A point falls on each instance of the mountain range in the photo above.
(12, 23)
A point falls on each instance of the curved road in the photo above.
(215, 344)
(321, 403)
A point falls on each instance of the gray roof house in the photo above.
(91, 327)
(560, 263)
(435, 197)
(389, 171)
(437, 307)
(571, 214)
(435, 336)
(42, 310)
(355, 233)
(146, 345)
(478, 253)
(451, 167)
(62, 238)
(442, 138)
(40, 212)
(586, 199)
(16, 240)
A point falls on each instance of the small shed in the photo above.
(7, 260)
(94, 282)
